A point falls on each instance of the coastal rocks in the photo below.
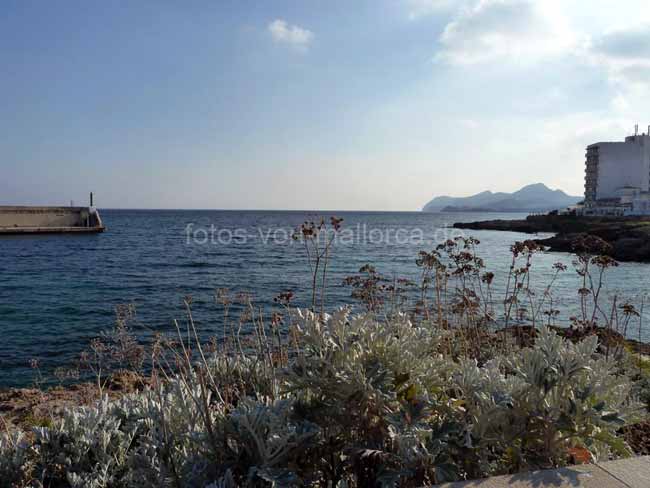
(34, 407)
(578, 243)
(638, 437)
(621, 248)
(635, 248)
(626, 238)
(504, 225)
(28, 407)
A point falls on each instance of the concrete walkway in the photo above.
(624, 473)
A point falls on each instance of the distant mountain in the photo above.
(531, 198)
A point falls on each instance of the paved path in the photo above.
(624, 473)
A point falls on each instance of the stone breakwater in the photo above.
(627, 238)
(39, 220)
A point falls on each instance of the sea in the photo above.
(58, 292)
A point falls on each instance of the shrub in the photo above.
(531, 409)
(14, 458)
(365, 402)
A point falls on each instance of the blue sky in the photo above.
(376, 105)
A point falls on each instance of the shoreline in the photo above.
(624, 238)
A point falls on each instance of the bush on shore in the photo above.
(365, 402)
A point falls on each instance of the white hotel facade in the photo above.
(617, 177)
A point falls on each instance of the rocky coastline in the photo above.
(627, 238)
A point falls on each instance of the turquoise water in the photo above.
(58, 292)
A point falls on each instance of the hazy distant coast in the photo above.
(531, 198)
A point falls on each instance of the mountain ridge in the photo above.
(536, 197)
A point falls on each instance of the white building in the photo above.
(617, 177)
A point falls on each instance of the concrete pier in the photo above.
(49, 220)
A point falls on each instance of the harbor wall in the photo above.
(17, 217)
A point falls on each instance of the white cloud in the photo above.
(515, 30)
(620, 103)
(283, 32)
(630, 45)
(528, 31)
(422, 8)
(625, 54)
(469, 124)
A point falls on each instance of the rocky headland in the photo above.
(531, 198)
(628, 238)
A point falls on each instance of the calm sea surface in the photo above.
(58, 292)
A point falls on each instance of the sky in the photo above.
(331, 105)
